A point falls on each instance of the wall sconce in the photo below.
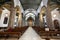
(54, 15)
(6, 14)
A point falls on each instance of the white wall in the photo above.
(55, 15)
(5, 13)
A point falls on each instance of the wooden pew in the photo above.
(42, 32)
(16, 31)
(10, 34)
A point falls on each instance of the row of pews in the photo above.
(15, 32)
(20, 30)
(47, 34)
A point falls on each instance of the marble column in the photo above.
(20, 18)
(41, 19)
(12, 17)
(49, 18)
(41, 16)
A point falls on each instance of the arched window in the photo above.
(5, 20)
(56, 24)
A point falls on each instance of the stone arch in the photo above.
(29, 13)
(42, 16)
(30, 16)
(19, 15)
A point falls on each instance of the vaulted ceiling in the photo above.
(32, 3)
(4, 1)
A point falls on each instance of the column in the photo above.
(42, 12)
(41, 19)
(49, 18)
(12, 17)
(20, 18)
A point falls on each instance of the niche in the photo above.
(56, 24)
(5, 20)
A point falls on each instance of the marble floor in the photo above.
(30, 34)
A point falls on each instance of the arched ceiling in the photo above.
(33, 3)
(30, 4)
(4, 1)
(54, 4)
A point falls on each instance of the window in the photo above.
(5, 20)
(17, 14)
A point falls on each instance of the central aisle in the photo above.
(30, 34)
